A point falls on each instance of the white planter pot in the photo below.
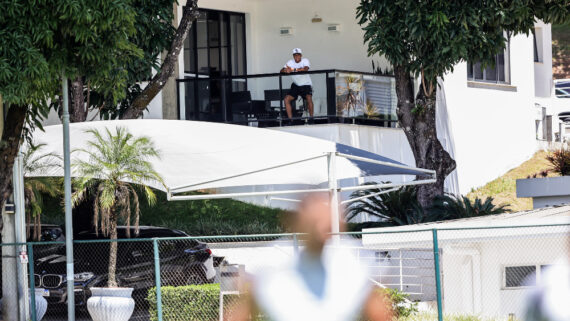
(111, 304)
(548, 191)
(41, 307)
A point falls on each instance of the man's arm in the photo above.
(378, 307)
(286, 69)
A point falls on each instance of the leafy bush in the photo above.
(188, 303)
(401, 305)
(560, 161)
(449, 207)
(400, 207)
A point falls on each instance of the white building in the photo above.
(490, 121)
(490, 263)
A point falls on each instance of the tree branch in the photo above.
(156, 84)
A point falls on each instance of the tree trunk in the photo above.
(417, 119)
(112, 281)
(157, 82)
(78, 110)
(9, 147)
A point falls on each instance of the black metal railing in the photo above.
(339, 96)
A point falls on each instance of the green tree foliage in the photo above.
(426, 39)
(39, 40)
(114, 160)
(154, 34)
(429, 38)
(453, 207)
(401, 207)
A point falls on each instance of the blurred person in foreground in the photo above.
(324, 282)
(550, 300)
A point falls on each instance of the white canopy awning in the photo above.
(208, 156)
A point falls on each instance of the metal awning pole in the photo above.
(67, 200)
(333, 191)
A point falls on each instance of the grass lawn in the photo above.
(503, 189)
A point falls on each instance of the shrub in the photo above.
(450, 207)
(400, 207)
(560, 161)
(188, 303)
(401, 305)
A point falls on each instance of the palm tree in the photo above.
(41, 165)
(396, 207)
(117, 165)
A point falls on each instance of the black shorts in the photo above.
(302, 91)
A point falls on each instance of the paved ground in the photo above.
(137, 316)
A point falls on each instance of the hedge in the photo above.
(189, 303)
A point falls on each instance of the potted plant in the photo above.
(549, 191)
(350, 96)
(117, 165)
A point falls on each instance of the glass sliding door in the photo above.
(215, 47)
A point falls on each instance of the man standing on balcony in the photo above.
(302, 85)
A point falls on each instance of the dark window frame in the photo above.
(506, 70)
(193, 72)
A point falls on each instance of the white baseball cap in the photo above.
(297, 51)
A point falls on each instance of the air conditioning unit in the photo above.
(286, 31)
(334, 28)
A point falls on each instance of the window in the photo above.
(499, 72)
(523, 275)
(537, 44)
(519, 276)
(215, 45)
(562, 88)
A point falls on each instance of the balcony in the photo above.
(339, 96)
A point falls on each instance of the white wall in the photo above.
(543, 68)
(495, 255)
(493, 128)
(267, 51)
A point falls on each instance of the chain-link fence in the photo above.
(483, 272)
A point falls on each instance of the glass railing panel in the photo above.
(319, 93)
(256, 102)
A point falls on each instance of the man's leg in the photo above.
(309, 99)
(288, 99)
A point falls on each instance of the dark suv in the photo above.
(182, 262)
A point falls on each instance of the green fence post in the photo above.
(437, 275)
(157, 280)
(32, 282)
